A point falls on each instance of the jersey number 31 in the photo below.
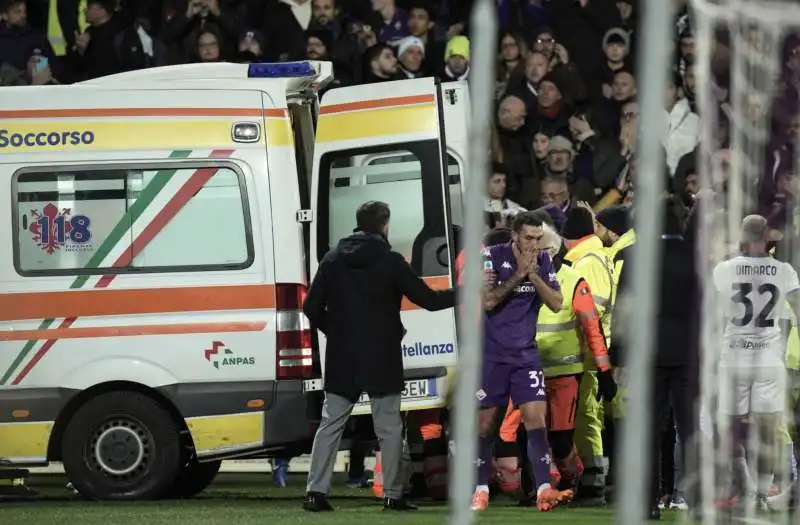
(742, 296)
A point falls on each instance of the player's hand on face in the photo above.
(524, 260)
(533, 269)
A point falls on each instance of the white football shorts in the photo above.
(756, 390)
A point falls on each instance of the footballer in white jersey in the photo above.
(754, 290)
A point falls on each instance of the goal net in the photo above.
(745, 75)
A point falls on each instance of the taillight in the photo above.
(293, 358)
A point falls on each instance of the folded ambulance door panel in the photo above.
(456, 106)
(386, 142)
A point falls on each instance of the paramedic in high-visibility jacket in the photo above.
(563, 338)
(789, 496)
(614, 227)
(793, 366)
(587, 257)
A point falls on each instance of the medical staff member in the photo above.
(789, 496)
(587, 256)
(563, 338)
(614, 227)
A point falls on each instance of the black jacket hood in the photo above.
(558, 260)
(361, 249)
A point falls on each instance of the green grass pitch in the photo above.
(252, 498)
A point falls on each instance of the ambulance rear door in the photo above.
(386, 142)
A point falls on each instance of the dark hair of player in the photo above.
(545, 218)
(526, 218)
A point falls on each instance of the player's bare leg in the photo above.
(534, 419)
(486, 423)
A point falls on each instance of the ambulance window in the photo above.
(456, 195)
(145, 220)
(210, 229)
(408, 177)
(453, 174)
(399, 184)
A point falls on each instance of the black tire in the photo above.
(194, 478)
(122, 446)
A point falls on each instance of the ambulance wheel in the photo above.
(122, 446)
(194, 478)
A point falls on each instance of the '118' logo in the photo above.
(53, 229)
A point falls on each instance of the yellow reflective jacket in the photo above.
(615, 253)
(590, 259)
(55, 34)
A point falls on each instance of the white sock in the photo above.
(543, 486)
(482, 488)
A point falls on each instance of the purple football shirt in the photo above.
(510, 329)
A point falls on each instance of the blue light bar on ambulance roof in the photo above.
(281, 70)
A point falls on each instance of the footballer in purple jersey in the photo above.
(510, 336)
(524, 280)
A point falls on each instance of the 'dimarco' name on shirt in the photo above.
(756, 269)
(524, 287)
(426, 349)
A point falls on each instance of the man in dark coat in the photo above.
(354, 300)
(675, 380)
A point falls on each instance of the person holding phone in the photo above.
(38, 70)
(22, 39)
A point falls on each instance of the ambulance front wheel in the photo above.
(122, 446)
(194, 478)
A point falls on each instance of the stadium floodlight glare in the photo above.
(281, 70)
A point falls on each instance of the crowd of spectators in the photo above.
(566, 123)
(566, 86)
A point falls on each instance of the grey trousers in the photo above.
(388, 428)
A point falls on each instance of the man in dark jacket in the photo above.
(354, 300)
(675, 380)
(96, 53)
(18, 40)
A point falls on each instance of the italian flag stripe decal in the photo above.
(161, 219)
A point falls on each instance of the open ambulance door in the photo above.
(386, 142)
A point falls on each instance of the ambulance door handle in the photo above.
(442, 256)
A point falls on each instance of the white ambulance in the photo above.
(164, 224)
